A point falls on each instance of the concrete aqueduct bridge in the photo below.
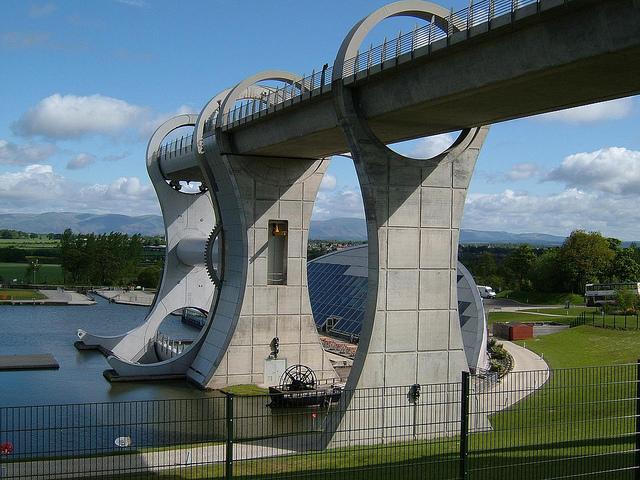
(261, 149)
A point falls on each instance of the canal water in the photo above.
(52, 329)
(76, 411)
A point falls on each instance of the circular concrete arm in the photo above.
(407, 8)
(206, 113)
(212, 106)
(186, 120)
(239, 90)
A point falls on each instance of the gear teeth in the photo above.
(211, 271)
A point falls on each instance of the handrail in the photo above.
(479, 12)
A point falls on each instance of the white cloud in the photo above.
(522, 171)
(38, 188)
(346, 202)
(81, 160)
(63, 117)
(431, 146)
(612, 170)
(22, 40)
(328, 182)
(72, 116)
(116, 157)
(558, 213)
(611, 110)
(41, 10)
(14, 154)
(133, 3)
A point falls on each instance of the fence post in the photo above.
(228, 459)
(637, 464)
(464, 428)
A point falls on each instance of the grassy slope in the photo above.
(530, 452)
(587, 346)
(18, 294)
(29, 243)
(503, 317)
(541, 298)
(48, 273)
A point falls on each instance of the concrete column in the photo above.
(250, 192)
(411, 331)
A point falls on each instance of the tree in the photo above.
(585, 258)
(519, 264)
(624, 267)
(627, 300)
(545, 274)
(149, 277)
(32, 270)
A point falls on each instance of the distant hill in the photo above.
(477, 237)
(57, 222)
(355, 229)
(338, 229)
(334, 229)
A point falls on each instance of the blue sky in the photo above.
(85, 83)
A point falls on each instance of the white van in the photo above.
(486, 291)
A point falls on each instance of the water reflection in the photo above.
(42, 329)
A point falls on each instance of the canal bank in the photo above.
(48, 297)
(126, 297)
(30, 329)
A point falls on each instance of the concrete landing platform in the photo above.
(43, 361)
(113, 377)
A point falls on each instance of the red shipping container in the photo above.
(520, 331)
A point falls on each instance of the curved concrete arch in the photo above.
(428, 11)
(253, 91)
(186, 218)
(237, 91)
(344, 101)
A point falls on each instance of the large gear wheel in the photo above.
(212, 264)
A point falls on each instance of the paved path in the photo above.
(55, 297)
(67, 296)
(542, 314)
(529, 373)
(154, 461)
(506, 305)
(131, 297)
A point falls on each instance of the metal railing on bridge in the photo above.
(483, 13)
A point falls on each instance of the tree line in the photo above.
(106, 259)
(584, 257)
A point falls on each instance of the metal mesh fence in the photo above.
(567, 423)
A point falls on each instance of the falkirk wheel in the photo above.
(237, 250)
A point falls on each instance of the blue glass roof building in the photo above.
(338, 293)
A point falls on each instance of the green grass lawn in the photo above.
(573, 311)
(587, 346)
(542, 298)
(42, 242)
(504, 317)
(245, 390)
(564, 429)
(19, 294)
(48, 273)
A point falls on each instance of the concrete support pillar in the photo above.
(254, 307)
(411, 331)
